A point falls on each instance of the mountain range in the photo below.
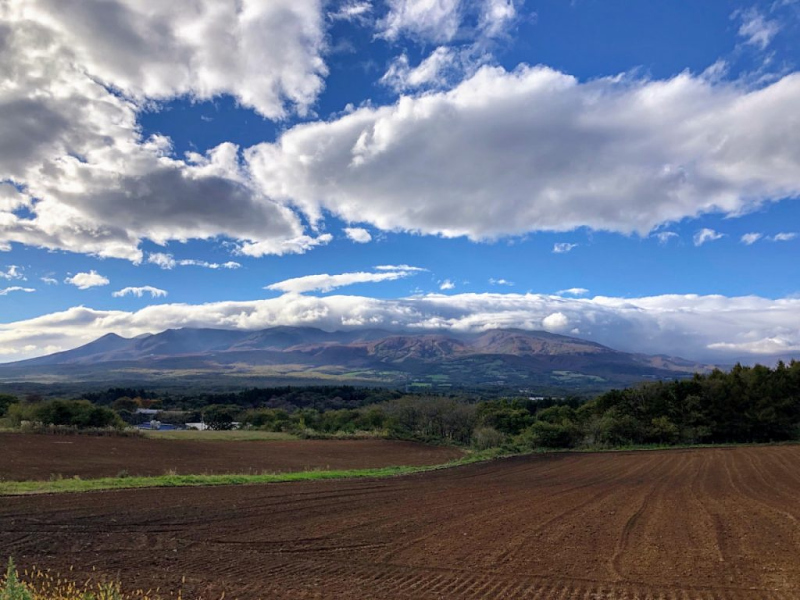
(504, 357)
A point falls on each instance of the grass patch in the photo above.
(18, 488)
(220, 436)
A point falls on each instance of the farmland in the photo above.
(678, 524)
(40, 457)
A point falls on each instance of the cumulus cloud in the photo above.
(84, 281)
(751, 238)
(563, 247)
(501, 281)
(783, 237)
(265, 54)
(708, 328)
(555, 154)
(140, 291)
(73, 80)
(358, 234)
(326, 283)
(446, 285)
(167, 261)
(15, 288)
(706, 235)
(557, 321)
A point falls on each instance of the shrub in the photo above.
(484, 438)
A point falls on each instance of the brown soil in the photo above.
(39, 457)
(679, 525)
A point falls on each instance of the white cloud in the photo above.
(326, 283)
(557, 321)
(563, 247)
(92, 183)
(576, 291)
(447, 285)
(12, 272)
(783, 237)
(49, 280)
(140, 291)
(555, 154)
(265, 54)
(358, 234)
(497, 16)
(84, 281)
(353, 10)
(665, 236)
(708, 328)
(15, 288)
(279, 247)
(426, 20)
(439, 21)
(430, 72)
(494, 281)
(408, 268)
(751, 238)
(167, 261)
(706, 235)
(757, 29)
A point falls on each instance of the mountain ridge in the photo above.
(443, 358)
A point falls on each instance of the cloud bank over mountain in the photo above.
(707, 328)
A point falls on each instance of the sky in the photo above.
(621, 171)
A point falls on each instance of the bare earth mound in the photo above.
(39, 457)
(710, 524)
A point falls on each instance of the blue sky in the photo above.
(622, 171)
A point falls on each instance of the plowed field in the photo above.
(708, 524)
(39, 457)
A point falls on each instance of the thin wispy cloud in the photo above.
(576, 291)
(756, 29)
(12, 272)
(706, 235)
(751, 238)
(665, 236)
(15, 288)
(500, 281)
(140, 291)
(167, 261)
(563, 247)
(326, 283)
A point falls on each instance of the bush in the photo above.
(544, 434)
(80, 414)
(484, 438)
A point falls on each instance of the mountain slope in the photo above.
(495, 357)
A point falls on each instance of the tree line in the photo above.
(745, 404)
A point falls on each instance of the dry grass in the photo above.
(38, 584)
